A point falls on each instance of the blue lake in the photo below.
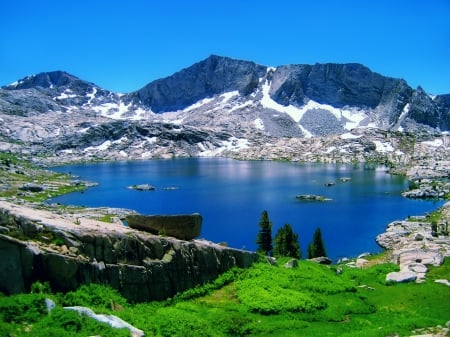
(231, 194)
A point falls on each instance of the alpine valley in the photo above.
(226, 107)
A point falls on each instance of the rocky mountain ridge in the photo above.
(219, 106)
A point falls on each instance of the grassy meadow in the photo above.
(264, 300)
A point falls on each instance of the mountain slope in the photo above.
(214, 106)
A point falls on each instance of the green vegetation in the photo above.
(22, 180)
(264, 300)
(286, 243)
(317, 247)
(264, 238)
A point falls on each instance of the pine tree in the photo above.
(317, 247)
(264, 238)
(286, 243)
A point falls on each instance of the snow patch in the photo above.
(198, 104)
(349, 135)
(330, 149)
(259, 124)
(113, 110)
(101, 147)
(64, 95)
(383, 147)
(228, 95)
(433, 143)
(353, 116)
(91, 96)
(267, 102)
(241, 106)
(305, 132)
(402, 116)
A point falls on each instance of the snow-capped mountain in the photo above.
(215, 105)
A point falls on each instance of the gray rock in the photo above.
(111, 320)
(184, 227)
(417, 268)
(401, 277)
(143, 267)
(293, 263)
(321, 260)
(49, 304)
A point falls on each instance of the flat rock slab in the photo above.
(401, 277)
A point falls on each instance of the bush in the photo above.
(94, 296)
(22, 308)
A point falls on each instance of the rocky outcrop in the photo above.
(39, 245)
(413, 244)
(182, 226)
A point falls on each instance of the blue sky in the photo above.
(123, 45)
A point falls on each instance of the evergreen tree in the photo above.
(286, 243)
(264, 238)
(317, 247)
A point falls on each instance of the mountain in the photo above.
(218, 104)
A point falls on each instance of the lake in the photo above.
(231, 194)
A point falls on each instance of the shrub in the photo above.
(94, 296)
(22, 308)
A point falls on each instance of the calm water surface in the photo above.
(231, 195)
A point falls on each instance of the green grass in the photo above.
(15, 172)
(312, 300)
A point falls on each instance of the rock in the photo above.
(142, 187)
(442, 281)
(293, 263)
(418, 237)
(312, 197)
(360, 262)
(141, 266)
(401, 277)
(49, 304)
(321, 260)
(184, 227)
(32, 188)
(111, 320)
(417, 268)
(363, 255)
(271, 260)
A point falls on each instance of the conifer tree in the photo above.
(286, 243)
(317, 247)
(264, 238)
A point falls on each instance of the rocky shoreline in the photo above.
(415, 243)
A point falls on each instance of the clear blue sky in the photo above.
(123, 45)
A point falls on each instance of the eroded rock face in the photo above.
(141, 266)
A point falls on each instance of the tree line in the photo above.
(286, 243)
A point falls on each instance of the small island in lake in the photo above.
(142, 187)
(312, 197)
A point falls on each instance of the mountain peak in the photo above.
(51, 79)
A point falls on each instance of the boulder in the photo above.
(401, 277)
(184, 226)
(293, 263)
(111, 320)
(360, 262)
(312, 197)
(321, 260)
